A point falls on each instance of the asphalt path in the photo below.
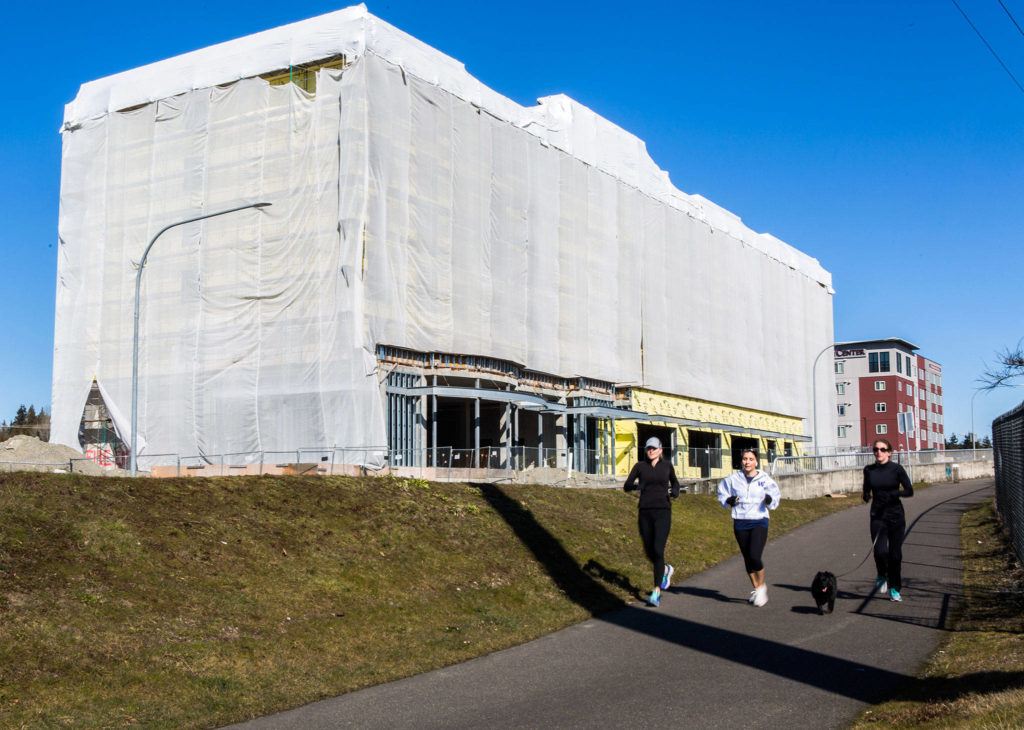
(705, 658)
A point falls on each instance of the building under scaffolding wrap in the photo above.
(441, 270)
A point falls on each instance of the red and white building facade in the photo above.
(876, 380)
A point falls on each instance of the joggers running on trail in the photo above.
(751, 493)
(884, 483)
(656, 480)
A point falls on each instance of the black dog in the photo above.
(824, 589)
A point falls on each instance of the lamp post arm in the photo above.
(814, 392)
(133, 461)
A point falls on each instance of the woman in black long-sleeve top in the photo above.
(656, 479)
(884, 483)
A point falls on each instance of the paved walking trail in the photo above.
(705, 658)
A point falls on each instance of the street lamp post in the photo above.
(814, 393)
(135, 336)
(974, 437)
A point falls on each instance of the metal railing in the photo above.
(1008, 446)
(443, 463)
(13, 466)
(839, 461)
(494, 463)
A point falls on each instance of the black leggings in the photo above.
(654, 525)
(752, 544)
(889, 548)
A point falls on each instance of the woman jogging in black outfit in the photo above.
(655, 479)
(884, 483)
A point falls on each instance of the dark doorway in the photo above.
(456, 433)
(739, 445)
(705, 451)
(664, 434)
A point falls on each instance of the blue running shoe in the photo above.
(894, 595)
(881, 585)
(655, 598)
(667, 580)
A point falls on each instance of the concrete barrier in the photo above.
(806, 486)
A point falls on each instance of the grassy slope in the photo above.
(193, 603)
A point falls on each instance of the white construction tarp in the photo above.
(410, 207)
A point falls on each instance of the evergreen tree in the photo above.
(21, 417)
(953, 442)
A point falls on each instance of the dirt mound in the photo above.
(27, 453)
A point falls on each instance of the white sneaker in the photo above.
(761, 596)
(753, 594)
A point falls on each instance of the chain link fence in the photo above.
(1008, 445)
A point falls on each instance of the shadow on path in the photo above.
(944, 614)
(858, 681)
(940, 504)
(708, 593)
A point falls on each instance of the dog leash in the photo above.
(841, 575)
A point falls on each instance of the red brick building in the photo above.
(929, 403)
(876, 381)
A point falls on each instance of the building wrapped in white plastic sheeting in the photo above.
(415, 214)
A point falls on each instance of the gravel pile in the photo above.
(27, 453)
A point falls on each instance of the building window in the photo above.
(910, 390)
(899, 385)
(879, 407)
(872, 362)
(883, 362)
(881, 428)
(840, 388)
(842, 432)
(839, 368)
(908, 366)
(842, 410)
(879, 385)
(899, 363)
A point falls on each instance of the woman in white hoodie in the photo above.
(751, 493)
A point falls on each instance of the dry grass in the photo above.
(976, 678)
(198, 602)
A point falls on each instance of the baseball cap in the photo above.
(653, 443)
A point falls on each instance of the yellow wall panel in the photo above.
(663, 404)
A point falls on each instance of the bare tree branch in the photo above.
(1009, 365)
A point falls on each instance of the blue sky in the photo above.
(882, 138)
